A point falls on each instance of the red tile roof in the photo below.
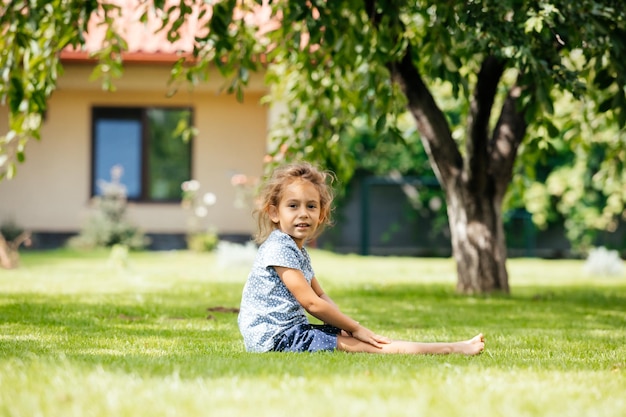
(145, 42)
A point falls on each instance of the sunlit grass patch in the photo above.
(80, 337)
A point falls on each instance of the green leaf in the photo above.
(533, 24)
(606, 105)
(552, 129)
(11, 170)
(381, 123)
(603, 79)
(16, 94)
(239, 94)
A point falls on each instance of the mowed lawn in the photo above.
(81, 336)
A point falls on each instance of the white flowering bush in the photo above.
(604, 262)
(201, 237)
(245, 190)
(233, 254)
(107, 226)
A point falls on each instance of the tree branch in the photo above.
(481, 106)
(446, 160)
(507, 136)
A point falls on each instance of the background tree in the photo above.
(334, 60)
(578, 178)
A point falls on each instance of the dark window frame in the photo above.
(131, 113)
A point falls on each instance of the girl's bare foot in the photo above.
(471, 347)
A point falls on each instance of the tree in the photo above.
(335, 60)
(579, 183)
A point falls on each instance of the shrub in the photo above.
(203, 242)
(200, 237)
(604, 262)
(107, 226)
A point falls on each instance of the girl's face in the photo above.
(298, 212)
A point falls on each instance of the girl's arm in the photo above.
(320, 292)
(325, 310)
(315, 285)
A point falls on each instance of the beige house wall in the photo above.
(51, 191)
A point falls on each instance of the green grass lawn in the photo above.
(82, 337)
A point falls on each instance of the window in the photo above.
(148, 144)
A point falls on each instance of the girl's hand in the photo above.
(366, 335)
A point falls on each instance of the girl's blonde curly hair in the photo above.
(273, 189)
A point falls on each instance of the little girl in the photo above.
(295, 207)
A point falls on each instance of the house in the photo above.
(87, 131)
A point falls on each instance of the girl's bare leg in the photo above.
(472, 346)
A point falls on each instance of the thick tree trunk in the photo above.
(478, 241)
(476, 182)
(475, 198)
